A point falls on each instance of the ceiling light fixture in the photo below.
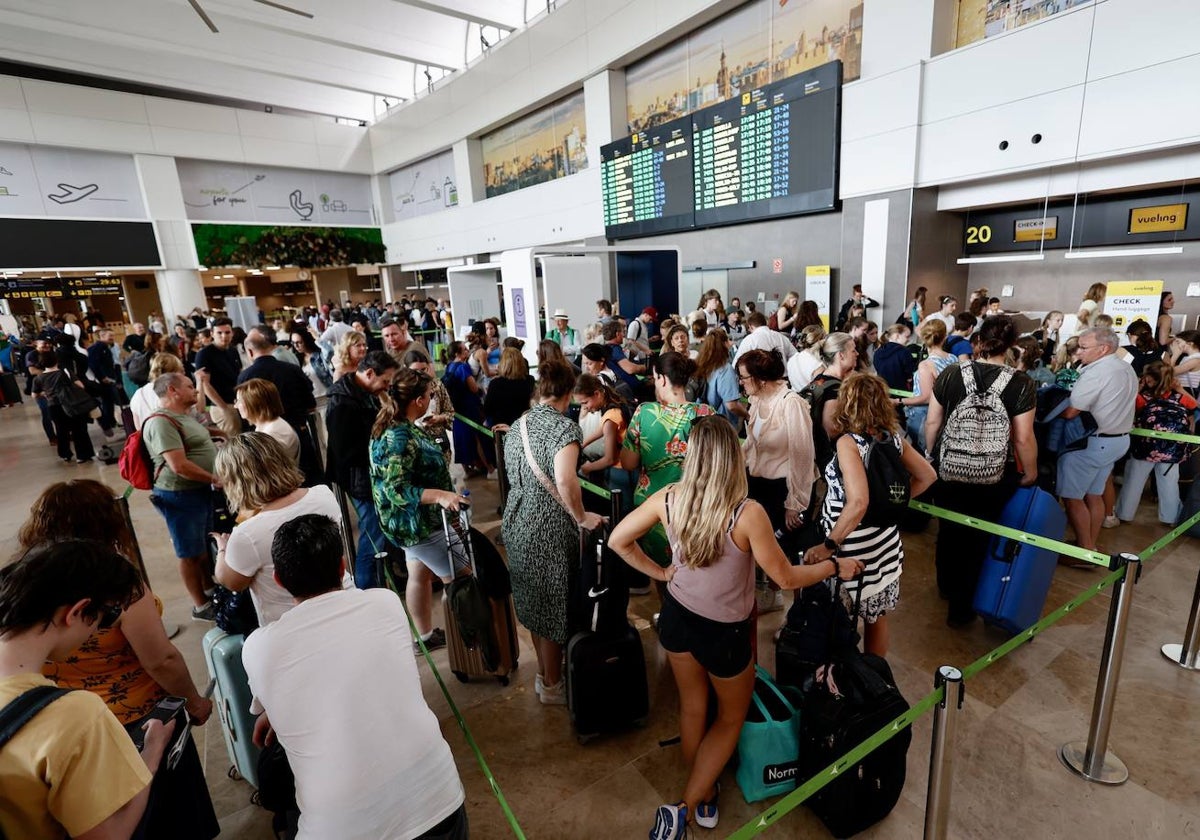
(1122, 252)
(1002, 258)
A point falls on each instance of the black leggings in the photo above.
(71, 430)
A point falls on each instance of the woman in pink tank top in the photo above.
(717, 537)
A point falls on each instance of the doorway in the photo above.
(694, 283)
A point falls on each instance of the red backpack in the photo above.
(135, 463)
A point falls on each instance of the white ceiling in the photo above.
(338, 62)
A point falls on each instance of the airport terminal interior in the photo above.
(520, 160)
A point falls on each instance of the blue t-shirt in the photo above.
(956, 345)
(722, 388)
(615, 356)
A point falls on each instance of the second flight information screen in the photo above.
(770, 151)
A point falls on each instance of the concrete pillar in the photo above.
(180, 288)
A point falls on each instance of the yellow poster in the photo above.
(1131, 300)
(1159, 219)
(816, 288)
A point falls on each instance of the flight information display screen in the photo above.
(647, 181)
(770, 151)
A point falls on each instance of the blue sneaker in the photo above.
(706, 812)
(670, 823)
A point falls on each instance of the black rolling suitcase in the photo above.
(850, 698)
(607, 688)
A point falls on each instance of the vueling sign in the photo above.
(1164, 217)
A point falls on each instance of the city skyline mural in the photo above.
(979, 19)
(761, 42)
(550, 143)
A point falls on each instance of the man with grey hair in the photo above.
(1107, 389)
(335, 332)
(295, 388)
(183, 454)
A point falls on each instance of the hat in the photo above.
(652, 312)
(560, 313)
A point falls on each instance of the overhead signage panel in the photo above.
(1158, 219)
(37, 181)
(235, 192)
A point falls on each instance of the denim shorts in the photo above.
(189, 516)
(433, 553)
(1085, 471)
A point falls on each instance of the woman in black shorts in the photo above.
(717, 536)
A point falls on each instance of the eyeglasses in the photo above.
(108, 616)
(743, 378)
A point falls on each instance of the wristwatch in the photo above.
(831, 545)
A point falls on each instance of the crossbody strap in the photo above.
(23, 709)
(541, 476)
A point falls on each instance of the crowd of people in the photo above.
(745, 439)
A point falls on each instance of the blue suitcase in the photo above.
(1015, 577)
(231, 697)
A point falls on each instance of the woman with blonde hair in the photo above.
(718, 538)
(410, 483)
(144, 401)
(349, 353)
(261, 480)
(1089, 306)
(916, 408)
(259, 404)
(866, 419)
(785, 315)
(511, 392)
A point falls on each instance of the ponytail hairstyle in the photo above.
(587, 384)
(713, 355)
(452, 351)
(810, 339)
(555, 380)
(408, 386)
(711, 487)
(995, 336)
(1141, 335)
(1025, 353)
(833, 344)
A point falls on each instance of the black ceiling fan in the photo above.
(195, 4)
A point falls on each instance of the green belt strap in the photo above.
(1166, 540)
(128, 491)
(1025, 635)
(1013, 534)
(896, 392)
(593, 488)
(462, 724)
(789, 803)
(483, 429)
(1151, 433)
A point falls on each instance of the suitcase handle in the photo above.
(228, 715)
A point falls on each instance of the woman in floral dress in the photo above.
(656, 440)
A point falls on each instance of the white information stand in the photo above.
(474, 294)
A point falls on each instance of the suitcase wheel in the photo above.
(460, 676)
(502, 680)
(234, 774)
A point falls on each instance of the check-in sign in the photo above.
(1035, 230)
(1158, 219)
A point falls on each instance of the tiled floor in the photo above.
(1008, 782)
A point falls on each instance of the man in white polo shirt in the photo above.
(762, 337)
(1107, 389)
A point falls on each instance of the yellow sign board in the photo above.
(1127, 301)
(1035, 230)
(816, 288)
(1158, 219)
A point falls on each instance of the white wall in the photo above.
(52, 114)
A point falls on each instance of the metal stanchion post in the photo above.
(1186, 654)
(941, 752)
(1091, 759)
(347, 533)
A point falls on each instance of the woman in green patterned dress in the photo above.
(542, 519)
(409, 482)
(656, 440)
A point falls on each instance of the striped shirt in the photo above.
(879, 549)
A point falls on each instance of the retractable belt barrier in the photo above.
(462, 724)
(1120, 569)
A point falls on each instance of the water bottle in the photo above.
(464, 511)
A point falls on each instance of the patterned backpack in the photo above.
(973, 447)
(1161, 414)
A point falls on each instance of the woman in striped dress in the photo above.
(864, 414)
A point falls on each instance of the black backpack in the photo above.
(888, 482)
(818, 393)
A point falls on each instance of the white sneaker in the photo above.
(1110, 522)
(538, 684)
(554, 695)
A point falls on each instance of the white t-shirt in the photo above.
(801, 368)
(248, 551)
(283, 432)
(376, 766)
(143, 403)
